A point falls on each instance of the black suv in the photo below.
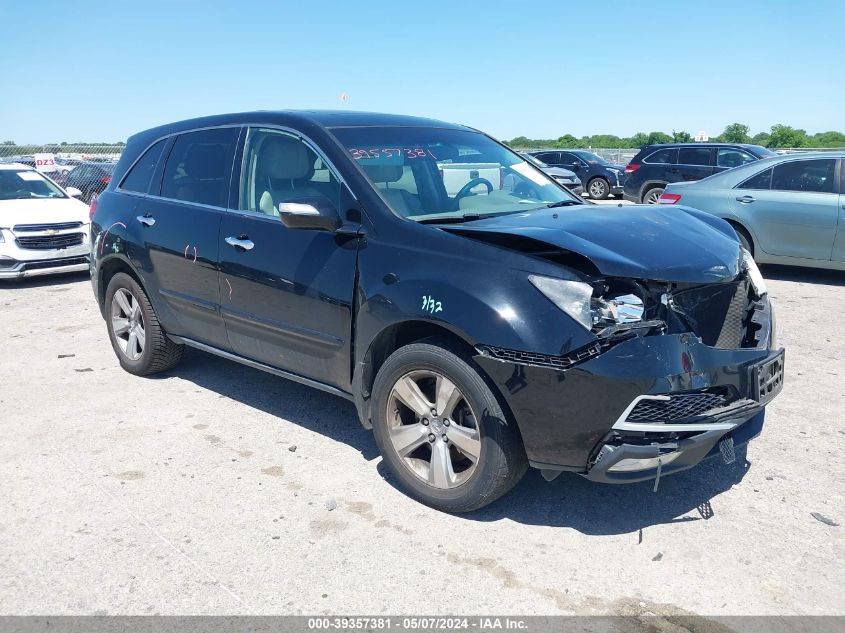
(480, 318)
(655, 166)
(601, 178)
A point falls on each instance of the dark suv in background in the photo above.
(601, 178)
(655, 166)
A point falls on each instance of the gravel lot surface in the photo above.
(216, 489)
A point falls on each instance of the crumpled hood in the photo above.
(656, 242)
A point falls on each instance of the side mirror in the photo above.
(73, 192)
(310, 213)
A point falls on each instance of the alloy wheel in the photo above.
(598, 189)
(653, 196)
(127, 322)
(433, 429)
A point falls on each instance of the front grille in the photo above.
(733, 329)
(678, 407)
(61, 226)
(542, 360)
(49, 242)
(55, 263)
(715, 312)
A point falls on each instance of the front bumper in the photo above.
(575, 418)
(68, 263)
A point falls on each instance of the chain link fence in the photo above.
(86, 167)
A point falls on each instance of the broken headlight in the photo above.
(754, 276)
(622, 309)
(573, 297)
(577, 300)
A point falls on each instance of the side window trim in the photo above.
(158, 174)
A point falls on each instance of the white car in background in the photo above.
(43, 228)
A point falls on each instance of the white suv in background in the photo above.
(43, 228)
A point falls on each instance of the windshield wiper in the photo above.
(562, 203)
(469, 217)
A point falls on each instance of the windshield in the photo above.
(21, 184)
(429, 174)
(591, 158)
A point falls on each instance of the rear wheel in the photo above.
(138, 340)
(652, 195)
(598, 188)
(441, 430)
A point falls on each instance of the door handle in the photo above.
(745, 199)
(147, 219)
(673, 170)
(240, 243)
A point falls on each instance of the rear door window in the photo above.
(200, 165)
(139, 177)
(666, 156)
(694, 156)
(805, 175)
(763, 181)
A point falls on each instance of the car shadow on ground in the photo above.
(307, 407)
(43, 281)
(805, 275)
(568, 501)
(605, 509)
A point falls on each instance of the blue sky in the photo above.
(87, 71)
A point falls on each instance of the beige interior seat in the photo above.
(283, 170)
(401, 200)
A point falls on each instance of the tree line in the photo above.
(779, 136)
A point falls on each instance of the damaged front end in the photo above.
(678, 372)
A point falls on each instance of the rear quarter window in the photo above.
(667, 156)
(140, 176)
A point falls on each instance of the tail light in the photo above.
(668, 198)
(105, 180)
(630, 168)
(92, 208)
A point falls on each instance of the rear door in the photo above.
(181, 226)
(797, 214)
(287, 298)
(694, 163)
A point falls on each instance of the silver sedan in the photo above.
(786, 210)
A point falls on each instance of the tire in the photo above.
(152, 351)
(598, 188)
(651, 196)
(744, 238)
(500, 460)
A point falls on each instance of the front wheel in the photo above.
(441, 430)
(138, 340)
(598, 188)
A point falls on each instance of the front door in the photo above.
(286, 294)
(182, 233)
